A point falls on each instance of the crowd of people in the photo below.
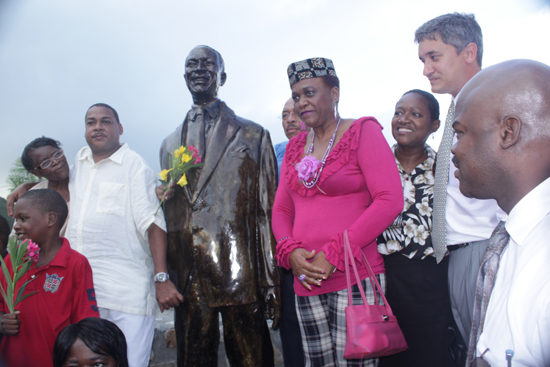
(454, 237)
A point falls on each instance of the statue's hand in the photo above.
(169, 192)
(273, 305)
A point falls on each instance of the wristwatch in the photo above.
(161, 277)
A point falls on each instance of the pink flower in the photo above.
(32, 251)
(194, 150)
(307, 168)
(198, 160)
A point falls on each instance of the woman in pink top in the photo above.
(341, 175)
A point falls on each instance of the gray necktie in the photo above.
(439, 238)
(485, 283)
(195, 132)
(195, 137)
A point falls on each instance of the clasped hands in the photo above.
(315, 272)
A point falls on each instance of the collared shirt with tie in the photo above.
(518, 312)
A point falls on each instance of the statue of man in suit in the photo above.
(220, 242)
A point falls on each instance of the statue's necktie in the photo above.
(195, 137)
(439, 238)
(485, 283)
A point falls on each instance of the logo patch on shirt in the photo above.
(52, 283)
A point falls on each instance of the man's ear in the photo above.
(470, 53)
(120, 129)
(52, 219)
(223, 78)
(510, 130)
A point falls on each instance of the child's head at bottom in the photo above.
(89, 342)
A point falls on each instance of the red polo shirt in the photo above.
(65, 296)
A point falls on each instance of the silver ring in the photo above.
(302, 277)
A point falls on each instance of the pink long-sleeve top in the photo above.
(362, 193)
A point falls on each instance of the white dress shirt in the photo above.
(468, 219)
(518, 314)
(113, 203)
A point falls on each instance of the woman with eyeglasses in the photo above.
(44, 158)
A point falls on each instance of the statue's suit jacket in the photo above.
(222, 226)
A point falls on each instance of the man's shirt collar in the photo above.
(528, 212)
(116, 157)
(211, 110)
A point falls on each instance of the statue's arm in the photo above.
(270, 279)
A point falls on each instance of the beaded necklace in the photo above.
(313, 182)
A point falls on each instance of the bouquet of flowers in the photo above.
(182, 160)
(22, 254)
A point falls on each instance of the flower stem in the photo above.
(163, 197)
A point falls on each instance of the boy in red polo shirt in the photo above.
(62, 277)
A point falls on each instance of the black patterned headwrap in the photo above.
(310, 68)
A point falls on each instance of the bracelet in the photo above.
(282, 239)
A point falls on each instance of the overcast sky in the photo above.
(58, 57)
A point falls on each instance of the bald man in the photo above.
(502, 122)
(293, 125)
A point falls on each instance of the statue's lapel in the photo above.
(224, 131)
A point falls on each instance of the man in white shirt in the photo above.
(113, 223)
(503, 152)
(451, 49)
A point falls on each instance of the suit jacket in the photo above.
(222, 226)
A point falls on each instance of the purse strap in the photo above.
(348, 254)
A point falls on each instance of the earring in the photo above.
(335, 112)
(433, 136)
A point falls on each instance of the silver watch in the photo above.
(161, 277)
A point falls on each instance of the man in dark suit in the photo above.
(220, 242)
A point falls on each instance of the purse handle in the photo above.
(375, 284)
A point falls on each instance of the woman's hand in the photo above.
(321, 262)
(16, 194)
(301, 267)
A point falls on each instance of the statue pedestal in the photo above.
(163, 353)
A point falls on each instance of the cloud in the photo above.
(59, 57)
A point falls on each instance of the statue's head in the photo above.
(204, 73)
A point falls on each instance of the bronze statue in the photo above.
(220, 242)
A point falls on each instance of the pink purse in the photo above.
(371, 330)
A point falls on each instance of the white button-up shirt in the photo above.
(113, 203)
(518, 314)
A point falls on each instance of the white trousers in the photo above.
(138, 330)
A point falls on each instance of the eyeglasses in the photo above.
(48, 162)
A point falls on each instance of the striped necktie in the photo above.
(485, 283)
